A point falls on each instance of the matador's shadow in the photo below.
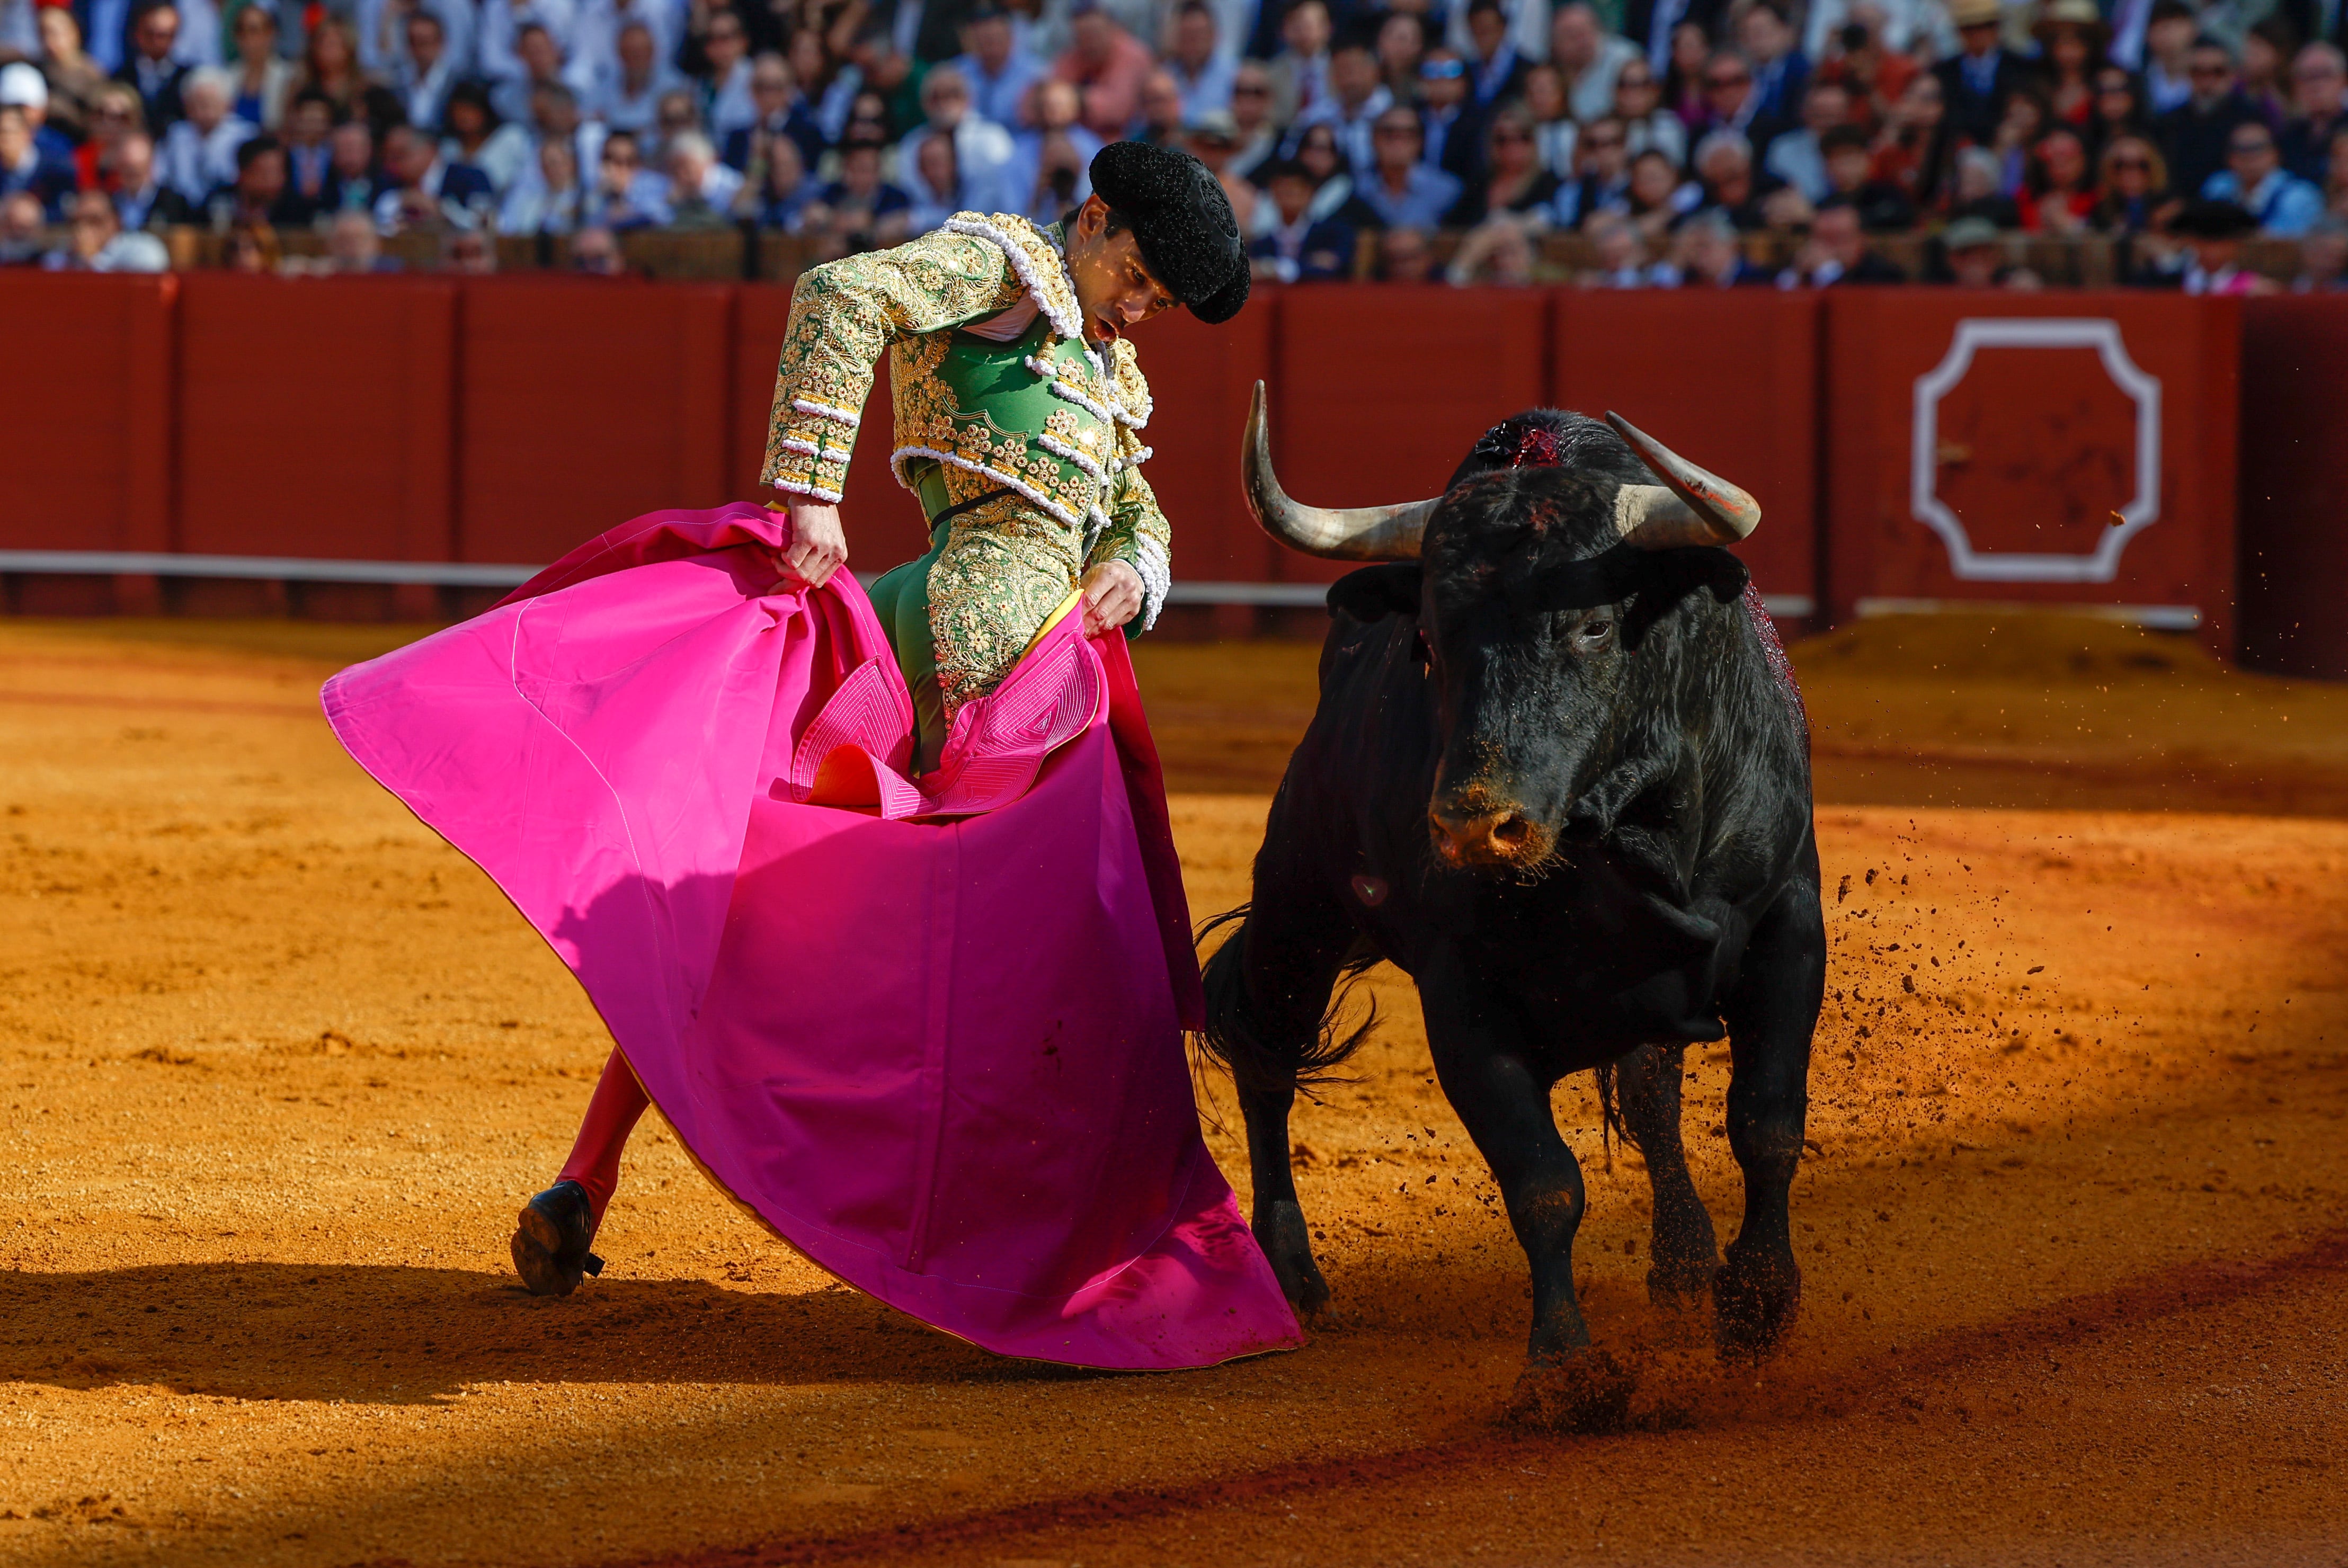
(390, 1334)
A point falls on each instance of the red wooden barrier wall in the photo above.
(1981, 442)
(1382, 389)
(316, 421)
(2294, 554)
(1727, 378)
(584, 403)
(504, 420)
(1200, 378)
(87, 406)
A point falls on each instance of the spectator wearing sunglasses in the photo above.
(1639, 105)
(1731, 104)
(1601, 175)
(2194, 136)
(1401, 190)
(2284, 204)
(1448, 118)
(1255, 140)
(626, 193)
(2134, 181)
(1514, 184)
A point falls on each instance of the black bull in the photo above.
(1562, 781)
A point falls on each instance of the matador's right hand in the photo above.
(817, 547)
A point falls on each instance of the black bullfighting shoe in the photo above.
(549, 1246)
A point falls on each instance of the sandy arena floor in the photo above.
(278, 1066)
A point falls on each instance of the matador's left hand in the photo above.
(1112, 593)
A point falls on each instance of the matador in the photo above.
(1020, 412)
(876, 891)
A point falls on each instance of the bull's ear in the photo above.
(1664, 577)
(1375, 592)
(1672, 574)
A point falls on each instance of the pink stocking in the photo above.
(612, 1114)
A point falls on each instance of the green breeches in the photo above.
(960, 617)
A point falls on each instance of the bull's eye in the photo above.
(1594, 633)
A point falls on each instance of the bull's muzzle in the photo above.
(1478, 835)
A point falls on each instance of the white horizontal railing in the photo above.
(471, 574)
(274, 568)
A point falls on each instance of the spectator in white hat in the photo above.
(23, 86)
(25, 169)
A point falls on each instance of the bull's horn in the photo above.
(1337, 532)
(1690, 507)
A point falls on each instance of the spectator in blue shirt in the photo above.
(1203, 73)
(1300, 248)
(859, 211)
(1401, 190)
(783, 110)
(1780, 71)
(2283, 202)
(24, 167)
(999, 74)
(1496, 69)
(627, 194)
(1448, 118)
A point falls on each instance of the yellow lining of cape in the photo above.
(1075, 598)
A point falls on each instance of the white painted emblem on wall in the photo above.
(2015, 567)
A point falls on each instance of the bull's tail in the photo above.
(1611, 1125)
(1259, 1054)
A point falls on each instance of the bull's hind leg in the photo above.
(1279, 1225)
(1771, 1016)
(1268, 994)
(1481, 1056)
(1647, 1097)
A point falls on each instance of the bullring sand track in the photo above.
(277, 1066)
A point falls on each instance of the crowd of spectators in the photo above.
(1667, 134)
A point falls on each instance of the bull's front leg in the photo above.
(1481, 1058)
(1771, 1017)
(1684, 1253)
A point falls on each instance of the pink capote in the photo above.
(931, 1033)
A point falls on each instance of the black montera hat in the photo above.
(2215, 220)
(1183, 221)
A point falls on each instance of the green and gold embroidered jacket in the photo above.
(1042, 413)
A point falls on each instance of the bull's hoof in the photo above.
(1588, 1392)
(1679, 1286)
(1287, 1244)
(1755, 1298)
